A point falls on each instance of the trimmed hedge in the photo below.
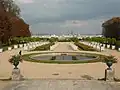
(84, 47)
(44, 47)
(26, 57)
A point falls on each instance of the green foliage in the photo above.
(102, 40)
(44, 39)
(111, 28)
(21, 40)
(10, 6)
(118, 43)
(84, 47)
(65, 40)
(44, 47)
(73, 39)
(110, 58)
(53, 39)
(15, 60)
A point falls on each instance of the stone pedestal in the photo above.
(16, 75)
(109, 74)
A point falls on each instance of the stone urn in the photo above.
(16, 64)
(109, 72)
(15, 60)
(109, 60)
(109, 64)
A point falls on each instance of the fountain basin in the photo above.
(62, 58)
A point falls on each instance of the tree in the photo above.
(113, 40)
(8, 9)
(10, 6)
(111, 28)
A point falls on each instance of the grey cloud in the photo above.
(58, 11)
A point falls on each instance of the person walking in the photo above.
(20, 52)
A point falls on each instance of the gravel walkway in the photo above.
(56, 71)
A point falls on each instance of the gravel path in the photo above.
(56, 71)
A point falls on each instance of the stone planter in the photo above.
(15, 46)
(25, 48)
(1, 50)
(118, 49)
(108, 46)
(103, 45)
(25, 45)
(102, 48)
(20, 45)
(113, 47)
(9, 48)
(98, 47)
(94, 46)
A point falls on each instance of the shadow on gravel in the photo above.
(115, 79)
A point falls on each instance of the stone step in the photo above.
(62, 85)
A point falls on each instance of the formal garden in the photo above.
(55, 60)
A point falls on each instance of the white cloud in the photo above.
(75, 23)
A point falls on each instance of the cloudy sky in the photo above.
(64, 16)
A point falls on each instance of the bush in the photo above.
(84, 47)
(118, 44)
(110, 58)
(44, 47)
